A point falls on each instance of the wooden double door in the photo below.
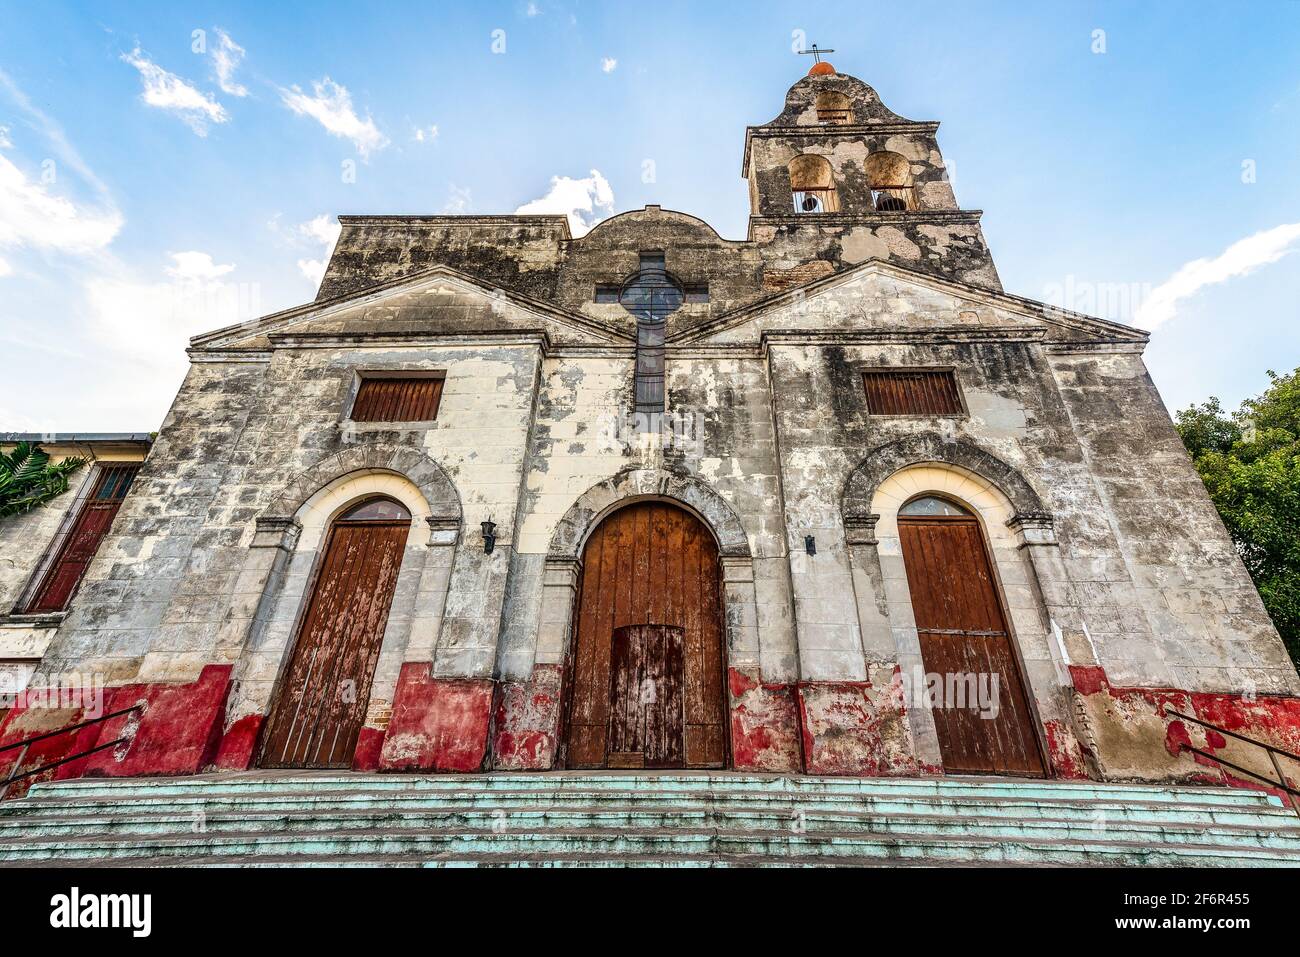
(320, 705)
(646, 685)
(965, 645)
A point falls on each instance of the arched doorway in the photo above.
(325, 686)
(981, 712)
(648, 665)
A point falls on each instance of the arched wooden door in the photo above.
(648, 665)
(321, 702)
(966, 644)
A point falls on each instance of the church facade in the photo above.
(826, 500)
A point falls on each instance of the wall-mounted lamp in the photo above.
(489, 536)
(810, 545)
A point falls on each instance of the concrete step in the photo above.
(84, 830)
(56, 803)
(340, 845)
(548, 860)
(651, 820)
(245, 783)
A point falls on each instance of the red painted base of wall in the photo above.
(438, 724)
(526, 723)
(177, 732)
(764, 724)
(238, 745)
(852, 728)
(1065, 753)
(1273, 719)
(457, 725)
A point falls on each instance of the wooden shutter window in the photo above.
(912, 392)
(397, 400)
(82, 539)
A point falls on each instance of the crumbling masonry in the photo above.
(1120, 589)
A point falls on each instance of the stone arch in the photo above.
(833, 107)
(632, 484)
(930, 447)
(291, 535)
(889, 176)
(413, 464)
(812, 177)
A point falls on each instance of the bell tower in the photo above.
(838, 164)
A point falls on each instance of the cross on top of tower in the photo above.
(816, 53)
(820, 67)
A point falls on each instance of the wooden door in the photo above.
(83, 539)
(650, 563)
(646, 714)
(325, 688)
(964, 636)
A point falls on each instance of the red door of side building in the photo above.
(83, 538)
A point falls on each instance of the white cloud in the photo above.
(426, 134)
(585, 201)
(532, 10)
(331, 106)
(322, 231)
(33, 217)
(169, 92)
(1239, 259)
(608, 64)
(226, 57)
(5, 141)
(152, 322)
(196, 267)
(459, 200)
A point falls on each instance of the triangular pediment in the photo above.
(437, 302)
(883, 297)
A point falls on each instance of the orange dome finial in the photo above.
(819, 67)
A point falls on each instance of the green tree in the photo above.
(28, 479)
(1250, 462)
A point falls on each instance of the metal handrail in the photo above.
(28, 742)
(1273, 752)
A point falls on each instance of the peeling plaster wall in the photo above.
(1122, 588)
(1173, 566)
(584, 436)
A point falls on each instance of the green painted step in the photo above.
(50, 835)
(678, 842)
(52, 808)
(255, 782)
(651, 820)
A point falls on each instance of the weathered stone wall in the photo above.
(1122, 589)
(516, 252)
(1205, 628)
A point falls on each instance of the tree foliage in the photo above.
(28, 479)
(1250, 462)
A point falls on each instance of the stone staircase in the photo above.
(617, 819)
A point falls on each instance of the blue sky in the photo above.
(154, 185)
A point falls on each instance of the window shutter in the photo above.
(912, 392)
(397, 400)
